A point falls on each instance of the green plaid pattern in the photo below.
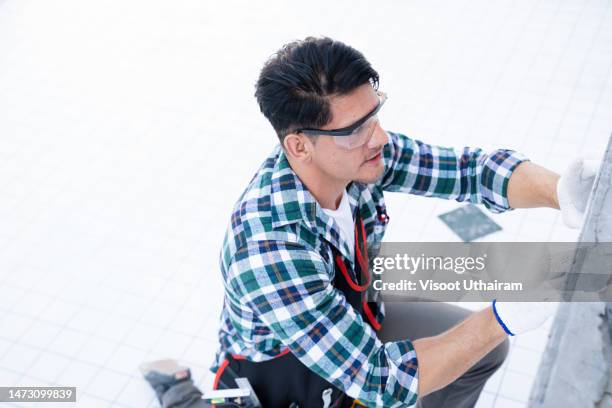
(278, 267)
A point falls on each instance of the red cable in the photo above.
(368, 312)
(348, 279)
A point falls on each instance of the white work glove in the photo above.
(520, 317)
(573, 190)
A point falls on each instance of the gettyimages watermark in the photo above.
(482, 271)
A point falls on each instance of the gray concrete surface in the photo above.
(576, 369)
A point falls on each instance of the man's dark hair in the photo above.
(295, 85)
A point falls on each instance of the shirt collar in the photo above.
(289, 198)
(291, 202)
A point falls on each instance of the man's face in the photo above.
(364, 163)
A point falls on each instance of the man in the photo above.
(295, 321)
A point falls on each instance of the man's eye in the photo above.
(364, 126)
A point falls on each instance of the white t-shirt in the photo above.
(344, 218)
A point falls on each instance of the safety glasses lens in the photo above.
(359, 137)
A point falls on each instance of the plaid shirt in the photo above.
(278, 269)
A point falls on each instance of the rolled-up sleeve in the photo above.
(288, 287)
(472, 175)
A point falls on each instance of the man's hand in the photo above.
(520, 317)
(573, 190)
(445, 357)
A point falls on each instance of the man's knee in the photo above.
(490, 362)
(498, 354)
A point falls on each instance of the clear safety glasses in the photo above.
(355, 135)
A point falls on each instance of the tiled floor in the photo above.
(128, 129)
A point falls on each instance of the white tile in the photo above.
(27, 381)
(160, 314)
(68, 342)
(58, 404)
(77, 291)
(143, 336)
(203, 377)
(114, 328)
(187, 322)
(107, 384)
(48, 366)
(200, 352)
(494, 382)
(4, 346)
(77, 374)
(8, 377)
(137, 393)
(523, 360)
(41, 334)
(51, 285)
(501, 402)
(174, 293)
(104, 298)
(131, 306)
(9, 295)
(86, 400)
(87, 320)
(59, 312)
(97, 350)
(535, 340)
(486, 400)
(19, 357)
(13, 326)
(516, 385)
(170, 344)
(126, 359)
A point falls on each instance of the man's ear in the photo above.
(298, 147)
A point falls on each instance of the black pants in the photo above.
(402, 321)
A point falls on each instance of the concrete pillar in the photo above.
(576, 369)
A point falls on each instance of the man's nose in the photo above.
(379, 138)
